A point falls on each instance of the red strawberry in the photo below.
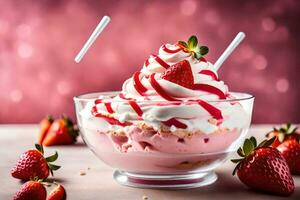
(180, 73)
(58, 193)
(290, 150)
(31, 190)
(282, 134)
(264, 168)
(32, 164)
(45, 124)
(61, 132)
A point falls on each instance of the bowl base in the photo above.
(174, 181)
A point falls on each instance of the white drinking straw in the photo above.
(237, 40)
(100, 27)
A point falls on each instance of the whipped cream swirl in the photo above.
(203, 73)
(147, 97)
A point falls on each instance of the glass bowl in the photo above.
(148, 157)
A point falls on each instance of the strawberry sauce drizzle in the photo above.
(94, 110)
(111, 120)
(122, 96)
(107, 118)
(209, 73)
(170, 50)
(146, 62)
(108, 107)
(159, 89)
(98, 101)
(161, 62)
(210, 89)
(215, 112)
(175, 122)
(136, 107)
(139, 87)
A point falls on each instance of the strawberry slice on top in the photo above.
(180, 73)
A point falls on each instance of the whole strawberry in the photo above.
(283, 133)
(32, 164)
(58, 193)
(31, 190)
(290, 150)
(45, 125)
(263, 168)
(61, 132)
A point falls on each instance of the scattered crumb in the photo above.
(88, 168)
(212, 121)
(82, 173)
(145, 197)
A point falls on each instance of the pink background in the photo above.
(39, 40)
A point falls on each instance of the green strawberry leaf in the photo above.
(267, 143)
(240, 152)
(183, 44)
(288, 126)
(203, 50)
(52, 158)
(193, 47)
(197, 55)
(54, 167)
(192, 42)
(74, 132)
(280, 137)
(236, 160)
(236, 168)
(262, 143)
(290, 131)
(294, 129)
(285, 131)
(50, 118)
(282, 130)
(253, 140)
(248, 147)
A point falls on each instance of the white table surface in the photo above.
(98, 182)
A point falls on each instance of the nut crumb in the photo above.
(145, 197)
(82, 173)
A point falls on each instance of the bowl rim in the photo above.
(82, 97)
